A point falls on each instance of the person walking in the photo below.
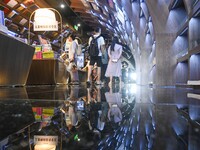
(96, 59)
(114, 65)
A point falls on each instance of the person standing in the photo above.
(96, 59)
(73, 59)
(67, 44)
(114, 65)
(104, 59)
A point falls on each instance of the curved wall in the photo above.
(162, 32)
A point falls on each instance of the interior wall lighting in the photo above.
(23, 5)
(96, 2)
(106, 8)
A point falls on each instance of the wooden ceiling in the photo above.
(90, 13)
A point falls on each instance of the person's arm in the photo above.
(86, 66)
(103, 47)
(98, 95)
(109, 111)
(74, 45)
(120, 52)
(102, 44)
(88, 95)
(89, 41)
(109, 52)
(119, 113)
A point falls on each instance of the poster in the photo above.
(80, 61)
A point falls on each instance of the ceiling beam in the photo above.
(82, 10)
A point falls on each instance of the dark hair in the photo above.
(114, 41)
(79, 40)
(72, 36)
(97, 30)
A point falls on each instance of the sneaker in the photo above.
(74, 83)
(98, 82)
(98, 86)
(88, 82)
(110, 83)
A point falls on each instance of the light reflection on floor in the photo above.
(128, 117)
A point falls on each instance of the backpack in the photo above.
(93, 49)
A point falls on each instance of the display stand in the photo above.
(15, 61)
(48, 71)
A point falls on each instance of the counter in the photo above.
(47, 72)
(15, 61)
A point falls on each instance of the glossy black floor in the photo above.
(100, 118)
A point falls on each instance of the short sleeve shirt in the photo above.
(72, 50)
(100, 42)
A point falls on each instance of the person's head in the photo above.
(78, 40)
(114, 41)
(97, 30)
(71, 37)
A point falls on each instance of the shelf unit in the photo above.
(194, 64)
(182, 70)
(187, 45)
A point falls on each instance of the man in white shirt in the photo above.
(96, 59)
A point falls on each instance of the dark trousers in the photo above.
(103, 71)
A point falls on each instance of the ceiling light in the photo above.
(23, 5)
(45, 20)
(78, 24)
(62, 6)
(106, 8)
(44, 13)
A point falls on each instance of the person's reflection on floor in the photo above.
(114, 100)
(81, 136)
(96, 119)
(102, 115)
(74, 92)
(71, 117)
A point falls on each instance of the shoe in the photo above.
(98, 86)
(98, 82)
(74, 83)
(88, 82)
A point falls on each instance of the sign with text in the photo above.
(42, 26)
(42, 139)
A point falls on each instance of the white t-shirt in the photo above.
(100, 42)
(72, 50)
(67, 46)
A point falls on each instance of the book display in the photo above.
(44, 50)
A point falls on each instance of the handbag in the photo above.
(114, 60)
(69, 65)
(63, 56)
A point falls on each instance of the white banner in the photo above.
(41, 139)
(41, 26)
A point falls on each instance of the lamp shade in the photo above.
(45, 20)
